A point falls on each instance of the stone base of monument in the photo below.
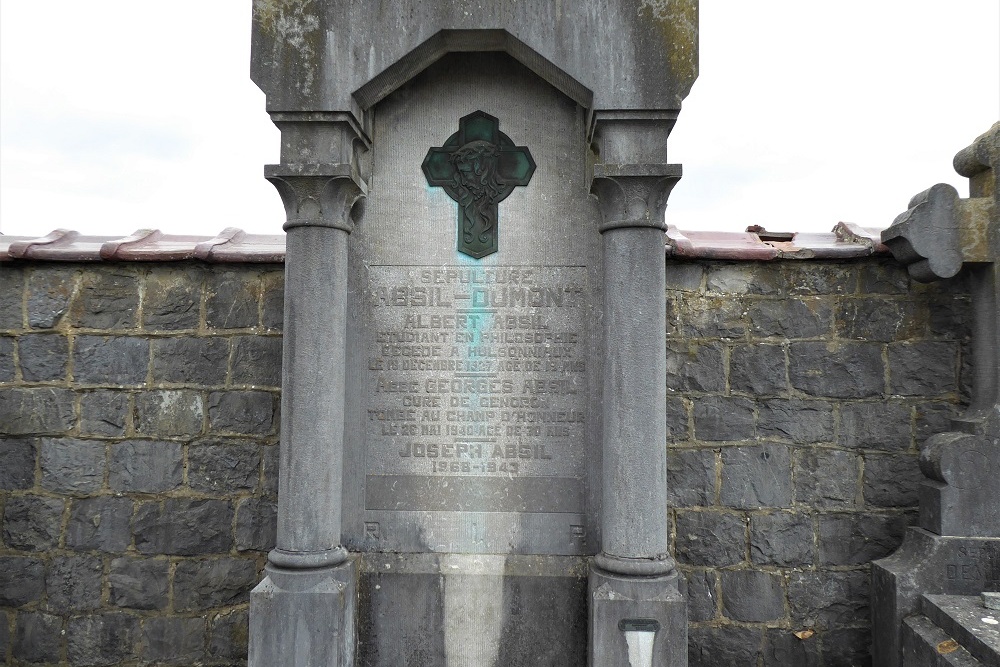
(303, 617)
(637, 621)
(931, 565)
(952, 631)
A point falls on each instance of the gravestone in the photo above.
(955, 549)
(473, 464)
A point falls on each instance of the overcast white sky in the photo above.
(120, 115)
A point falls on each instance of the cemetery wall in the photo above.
(138, 441)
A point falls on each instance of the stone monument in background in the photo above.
(473, 463)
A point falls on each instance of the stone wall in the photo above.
(139, 421)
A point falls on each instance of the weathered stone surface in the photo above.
(934, 418)
(886, 277)
(37, 637)
(108, 299)
(719, 646)
(684, 276)
(723, 418)
(273, 301)
(36, 410)
(43, 357)
(231, 299)
(691, 477)
(892, 480)
(923, 369)
(184, 527)
(139, 583)
(101, 639)
(758, 369)
(99, 524)
(742, 278)
(172, 640)
(169, 413)
(31, 523)
(814, 279)
(844, 370)
(113, 360)
(781, 539)
(22, 580)
(172, 300)
(146, 466)
(879, 425)
(846, 647)
(223, 467)
(801, 422)
(713, 318)
(678, 427)
(857, 539)
(695, 367)
(752, 596)
(701, 595)
(200, 361)
(4, 634)
(7, 370)
(70, 465)
(103, 412)
(758, 476)
(826, 478)
(269, 471)
(228, 636)
(205, 584)
(782, 648)
(73, 583)
(11, 299)
(18, 469)
(710, 538)
(49, 292)
(871, 318)
(256, 524)
(250, 412)
(256, 361)
(791, 318)
(828, 599)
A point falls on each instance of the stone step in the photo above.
(971, 624)
(927, 645)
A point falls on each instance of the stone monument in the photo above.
(473, 464)
(953, 555)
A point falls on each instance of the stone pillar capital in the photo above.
(633, 195)
(317, 195)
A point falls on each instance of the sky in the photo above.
(122, 115)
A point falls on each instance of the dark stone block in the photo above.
(782, 648)
(22, 580)
(828, 599)
(273, 300)
(205, 584)
(880, 425)
(713, 317)
(173, 641)
(11, 301)
(7, 371)
(752, 596)
(31, 523)
(826, 478)
(727, 645)
(146, 466)
(18, 470)
(857, 539)
(815, 278)
(103, 412)
(256, 361)
(220, 467)
(201, 361)
(695, 367)
(49, 293)
(37, 637)
(872, 318)
(36, 410)
(723, 418)
(115, 360)
(934, 418)
(701, 595)
(172, 300)
(108, 299)
(801, 422)
(690, 477)
(847, 370)
(791, 318)
(742, 278)
(677, 420)
(74, 583)
(70, 465)
(759, 476)
(269, 474)
(4, 634)
(169, 413)
(758, 369)
(781, 539)
(184, 527)
(684, 276)
(923, 369)
(892, 480)
(99, 524)
(847, 647)
(710, 538)
(256, 524)
(950, 316)
(231, 301)
(229, 635)
(43, 357)
(101, 639)
(250, 412)
(883, 278)
(139, 583)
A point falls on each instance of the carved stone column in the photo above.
(303, 613)
(637, 614)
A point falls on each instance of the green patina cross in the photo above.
(478, 166)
